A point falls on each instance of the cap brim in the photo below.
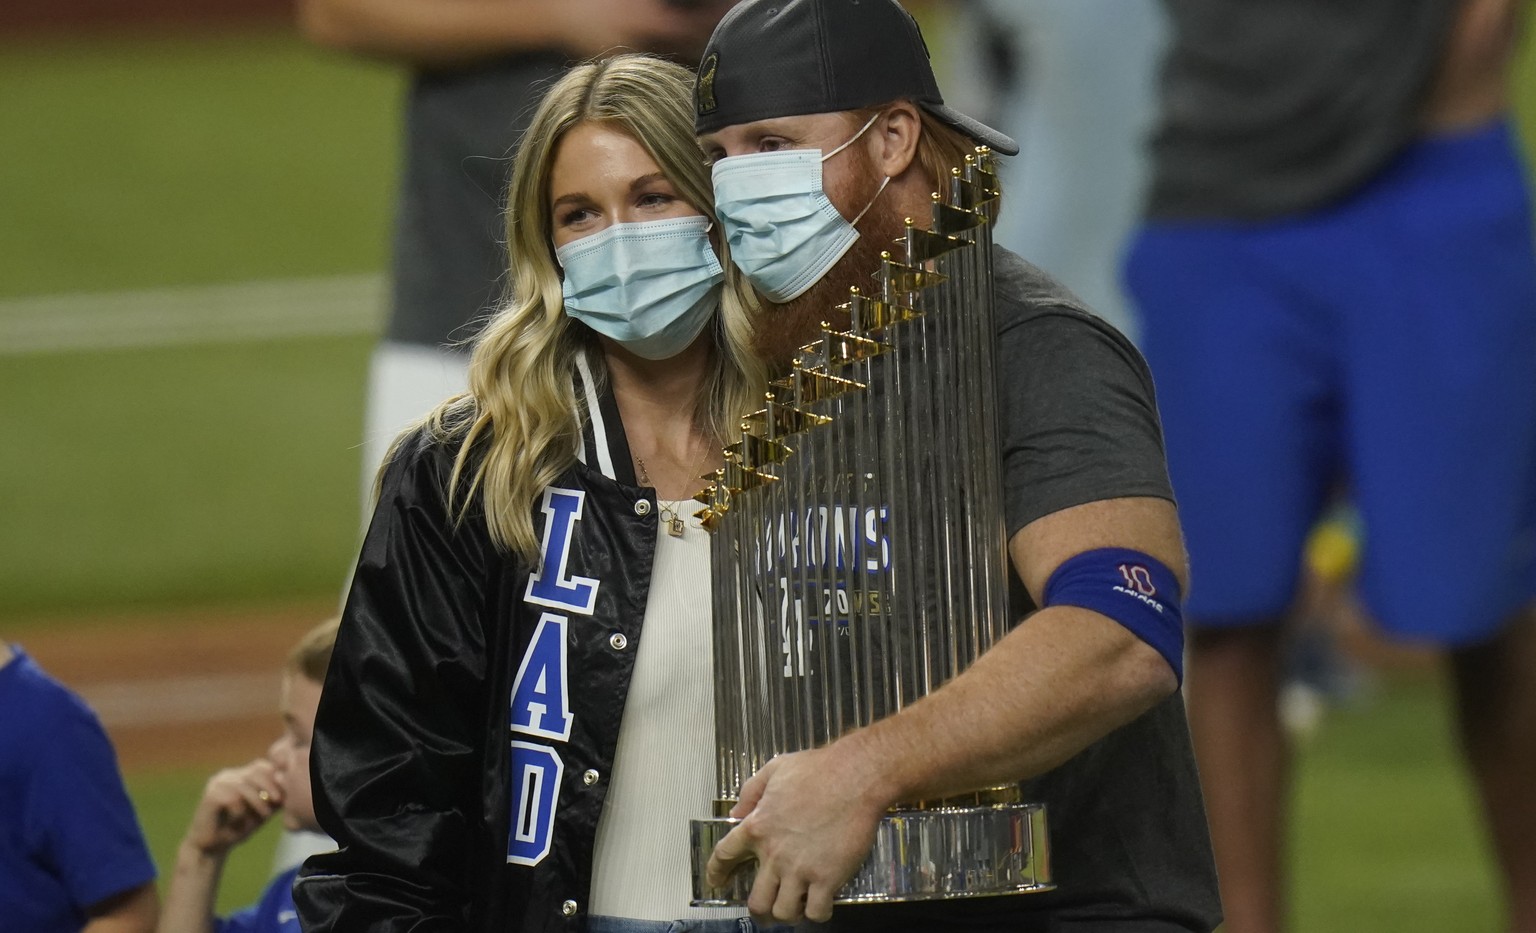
(977, 130)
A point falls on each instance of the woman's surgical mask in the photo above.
(651, 286)
(784, 232)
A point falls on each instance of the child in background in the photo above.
(237, 801)
(72, 856)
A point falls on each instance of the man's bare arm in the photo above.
(1473, 82)
(445, 33)
(1057, 683)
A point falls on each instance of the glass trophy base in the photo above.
(919, 855)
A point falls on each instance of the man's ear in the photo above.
(895, 135)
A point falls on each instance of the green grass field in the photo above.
(228, 472)
(201, 473)
(141, 162)
(179, 475)
(1387, 832)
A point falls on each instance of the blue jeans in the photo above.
(624, 925)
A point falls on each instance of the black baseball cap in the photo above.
(781, 58)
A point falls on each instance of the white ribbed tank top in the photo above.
(664, 770)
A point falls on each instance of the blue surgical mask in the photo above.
(651, 286)
(783, 230)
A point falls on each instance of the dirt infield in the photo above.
(198, 688)
(192, 689)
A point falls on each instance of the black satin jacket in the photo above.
(417, 755)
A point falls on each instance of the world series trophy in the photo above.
(860, 556)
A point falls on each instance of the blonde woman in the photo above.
(516, 726)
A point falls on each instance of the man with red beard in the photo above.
(827, 129)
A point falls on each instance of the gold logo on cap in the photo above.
(704, 94)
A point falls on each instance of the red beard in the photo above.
(781, 329)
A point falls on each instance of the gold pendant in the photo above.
(675, 527)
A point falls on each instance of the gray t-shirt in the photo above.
(1280, 106)
(1129, 846)
(450, 261)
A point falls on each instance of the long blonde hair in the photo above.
(520, 422)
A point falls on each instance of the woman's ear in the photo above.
(895, 135)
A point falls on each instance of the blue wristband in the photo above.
(1136, 590)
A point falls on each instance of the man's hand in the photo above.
(809, 820)
(236, 802)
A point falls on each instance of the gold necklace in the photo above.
(669, 511)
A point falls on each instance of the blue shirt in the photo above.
(68, 835)
(274, 913)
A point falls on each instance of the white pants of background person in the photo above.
(405, 382)
(1081, 99)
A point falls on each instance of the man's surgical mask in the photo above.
(651, 286)
(784, 232)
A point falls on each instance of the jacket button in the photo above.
(642, 506)
(617, 641)
(568, 908)
(589, 777)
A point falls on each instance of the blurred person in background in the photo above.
(478, 67)
(72, 855)
(238, 801)
(1075, 82)
(1336, 278)
(518, 721)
